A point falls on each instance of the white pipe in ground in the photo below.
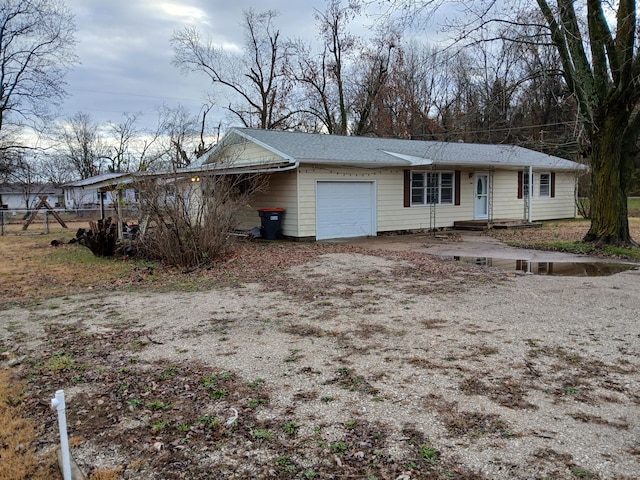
(59, 404)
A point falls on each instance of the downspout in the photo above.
(530, 194)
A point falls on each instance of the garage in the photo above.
(345, 209)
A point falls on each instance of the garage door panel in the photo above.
(345, 209)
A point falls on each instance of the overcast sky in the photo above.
(126, 56)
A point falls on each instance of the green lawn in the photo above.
(633, 204)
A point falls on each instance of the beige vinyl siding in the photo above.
(393, 215)
(506, 204)
(296, 192)
(560, 206)
(281, 193)
(247, 152)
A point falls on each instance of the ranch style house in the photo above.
(343, 186)
(340, 186)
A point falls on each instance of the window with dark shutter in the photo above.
(407, 188)
(520, 182)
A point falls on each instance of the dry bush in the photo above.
(18, 459)
(189, 219)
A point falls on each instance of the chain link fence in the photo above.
(15, 221)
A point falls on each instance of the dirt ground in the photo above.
(335, 361)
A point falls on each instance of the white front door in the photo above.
(481, 197)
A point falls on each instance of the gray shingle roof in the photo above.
(384, 152)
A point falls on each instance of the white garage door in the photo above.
(345, 209)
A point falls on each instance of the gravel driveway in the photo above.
(363, 363)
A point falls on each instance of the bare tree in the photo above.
(310, 71)
(131, 148)
(598, 47)
(601, 66)
(338, 44)
(36, 50)
(178, 136)
(55, 168)
(370, 78)
(83, 146)
(205, 143)
(122, 135)
(257, 77)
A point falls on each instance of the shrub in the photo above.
(189, 219)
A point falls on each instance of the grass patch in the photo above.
(633, 206)
(59, 362)
(17, 434)
(567, 235)
(578, 247)
(348, 379)
(262, 434)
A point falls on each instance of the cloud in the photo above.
(183, 13)
(124, 47)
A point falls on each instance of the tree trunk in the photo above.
(609, 161)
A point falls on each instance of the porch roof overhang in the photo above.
(255, 167)
(236, 168)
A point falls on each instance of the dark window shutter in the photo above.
(457, 187)
(553, 184)
(520, 175)
(407, 188)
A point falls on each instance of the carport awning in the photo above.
(250, 167)
(237, 168)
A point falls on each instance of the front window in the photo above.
(545, 184)
(432, 188)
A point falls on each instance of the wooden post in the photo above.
(120, 202)
(101, 204)
(43, 203)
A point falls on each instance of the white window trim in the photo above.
(548, 194)
(439, 173)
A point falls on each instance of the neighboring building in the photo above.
(339, 186)
(17, 196)
(86, 193)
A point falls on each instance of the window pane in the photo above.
(544, 184)
(417, 188)
(417, 180)
(428, 188)
(525, 183)
(432, 180)
(446, 188)
(432, 188)
(447, 180)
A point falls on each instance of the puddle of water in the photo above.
(566, 269)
